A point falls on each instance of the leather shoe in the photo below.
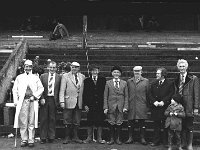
(154, 144)
(43, 141)
(24, 144)
(30, 144)
(50, 140)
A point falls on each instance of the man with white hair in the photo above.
(70, 97)
(27, 90)
(188, 86)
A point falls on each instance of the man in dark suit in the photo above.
(93, 97)
(49, 102)
(188, 86)
(160, 95)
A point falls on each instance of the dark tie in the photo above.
(95, 80)
(76, 78)
(181, 84)
(116, 84)
(51, 84)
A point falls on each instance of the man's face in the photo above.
(95, 72)
(137, 73)
(158, 74)
(52, 68)
(116, 74)
(75, 69)
(182, 68)
(28, 68)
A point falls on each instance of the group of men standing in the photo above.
(101, 99)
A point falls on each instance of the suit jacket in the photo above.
(114, 98)
(190, 93)
(138, 98)
(19, 90)
(160, 93)
(70, 93)
(44, 79)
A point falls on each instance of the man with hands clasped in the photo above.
(115, 103)
(160, 94)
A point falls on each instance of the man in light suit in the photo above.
(49, 102)
(27, 90)
(71, 90)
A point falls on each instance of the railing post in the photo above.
(84, 31)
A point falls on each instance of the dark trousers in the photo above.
(48, 119)
(172, 134)
(141, 123)
(158, 125)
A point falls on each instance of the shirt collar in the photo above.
(53, 74)
(116, 80)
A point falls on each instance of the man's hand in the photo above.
(125, 110)
(105, 111)
(86, 108)
(171, 113)
(175, 114)
(42, 101)
(32, 98)
(15, 104)
(196, 111)
(156, 103)
(62, 105)
(161, 103)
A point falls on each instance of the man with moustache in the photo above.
(27, 90)
(187, 85)
(71, 90)
(160, 94)
(49, 102)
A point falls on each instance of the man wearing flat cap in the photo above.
(93, 93)
(27, 90)
(115, 103)
(71, 90)
(138, 88)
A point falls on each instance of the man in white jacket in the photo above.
(27, 90)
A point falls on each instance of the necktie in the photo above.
(95, 80)
(160, 82)
(76, 78)
(116, 84)
(51, 84)
(181, 84)
(137, 80)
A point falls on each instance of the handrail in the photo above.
(8, 72)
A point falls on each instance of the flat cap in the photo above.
(75, 64)
(137, 68)
(28, 62)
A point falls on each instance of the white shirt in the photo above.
(94, 77)
(161, 81)
(53, 82)
(184, 76)
(114, 80)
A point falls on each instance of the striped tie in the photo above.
(116, 85)
(181, 85)
(76, 79)
(51, 84)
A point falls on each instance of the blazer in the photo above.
(160, 93)
(70, 93)
(19, 90)
(44, 79)
(138, 98)
(114, 98)
(190, 93)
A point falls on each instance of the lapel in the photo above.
(188, 78)
(71, 77)
(46, 80)
(56, 81)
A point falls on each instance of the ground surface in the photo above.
(8, 144)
